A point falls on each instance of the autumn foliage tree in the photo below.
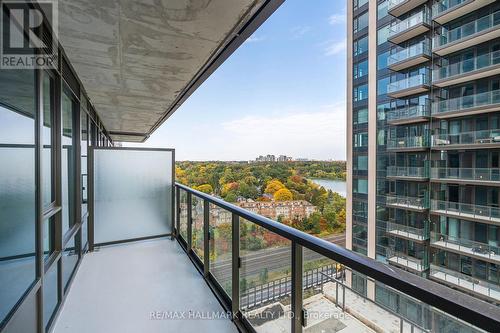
(283, 194)
(273, 186)
(205, 188)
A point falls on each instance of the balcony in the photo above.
(413, 26)
(445, 11)
(467, 140)
(411, 203)
(410, 56)
(465, 282)
(408, 143)
(407, 262)
(467, 105)
(407, 173)
(397, 8)
(410, 86)
(407, 232)
(467, 35)
(476, 176)
(467, 70)
(470, 248)
(488, 214)
(409, 115)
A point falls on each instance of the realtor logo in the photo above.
(22, 25)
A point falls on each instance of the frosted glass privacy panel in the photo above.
(132, 194)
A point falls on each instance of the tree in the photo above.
(274, 186)
(283, 195)
(205, 188)
(231, 197)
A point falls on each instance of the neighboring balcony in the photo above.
(407, 232)
(410, 86)
(411, 27)
(408, 143)
(467, 140)
(465, 282)
(410, 56)
(399, 7)
(447, 10)
(467, 105)
(470, 248)
(467, 35)
(411, 203)
(466, 211)
(409, 115)
(407, 262)
(475, 68)
(477, 176)
(407, 173)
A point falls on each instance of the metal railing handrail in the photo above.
(411, 111)
(472, 310)
(422, 232)
(400, 26)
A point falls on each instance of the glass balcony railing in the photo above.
(419, 80)
(482, 61)
(444, 5)
(467, 138)
(466, 210)
(473, 174)
(394, 3)
(466, 246)
(408, 113)
(466, 30)
(408, 142)
(420, 49)
(403, 259)
(407, 202)
(410, 172)
(467, 102)
(405, 25)
(465, 282)
(408, 232)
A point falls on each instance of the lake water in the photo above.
(338, 186)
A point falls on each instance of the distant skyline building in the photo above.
(423, 157)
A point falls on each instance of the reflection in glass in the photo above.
(17, 186)
(220, 246)
(67, 160)
(70, 258)
(49, 293)
(265, 278)
(47, 194)
(197, 225)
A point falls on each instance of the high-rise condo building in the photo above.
(423, 110)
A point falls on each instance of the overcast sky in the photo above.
(281, 92)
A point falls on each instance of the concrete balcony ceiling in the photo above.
(139, 60)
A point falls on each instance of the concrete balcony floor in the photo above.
(117, 288)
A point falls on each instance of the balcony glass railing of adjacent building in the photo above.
(418, 203)
(467, 30)
(483, 61)
(419, 80)
(465, 103)
(472, 174)
(421, 49)
(444, 5)
(407, 172)
(469, 247)
(418, 234)
(403, 259)
(486, 137)
(465, 210)
(405, 25)
(408, 142)
(465, 282)
(408, 113)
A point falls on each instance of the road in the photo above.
(271, 259)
